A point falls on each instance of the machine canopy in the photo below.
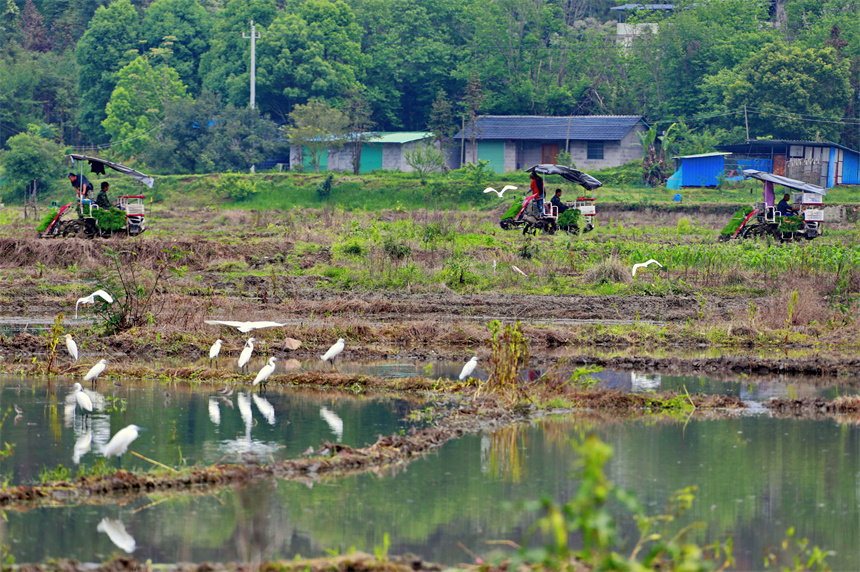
(571, 175)
(97, 166)
(785, 182)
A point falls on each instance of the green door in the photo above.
(371, 158)
(306, 161)
(494, 152)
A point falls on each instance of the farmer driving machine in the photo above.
(126, 216)
(802, 219)
(525, 213)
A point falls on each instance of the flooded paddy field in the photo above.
(718, 320)
(757, 474)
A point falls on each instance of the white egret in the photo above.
(72, 347)
(246, 353)
(117, 534)
(469, 367)
(120, 441)
(18, 410)
(265, 372)
(518, 271)
(95, 371)
(334, 422)
(245, 327)
(82, 399)
(502, 192)
(266, 408)
(644, 264)
(215, 350)
(333, 352)
(91, 299)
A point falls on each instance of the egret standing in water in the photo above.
(265, 372)
(469, 367)
(246, 353)
(95, 372)
(333, 352)
(215, 350)
(83, 400)
(118, 445)
(91, 299)
(72, 347)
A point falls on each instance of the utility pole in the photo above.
(747, 122)
(255, 35)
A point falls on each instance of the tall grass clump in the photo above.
(609, 271)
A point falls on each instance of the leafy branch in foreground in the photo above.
(134, 285)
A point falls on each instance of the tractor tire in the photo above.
(74, 228)
(507, 223)
(761, 231)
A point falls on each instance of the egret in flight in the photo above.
(245, 327)
(91, 299)
(333, 352)
(502, 192)
(645, 264)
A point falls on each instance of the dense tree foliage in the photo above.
(30, 158)
(794, 65)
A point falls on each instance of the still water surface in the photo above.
(756, 477)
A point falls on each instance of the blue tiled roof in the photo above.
(547, 128)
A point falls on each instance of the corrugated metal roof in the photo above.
(644, 7)
(400, 136)
(700, 155)
(550, 128)
(756, 144)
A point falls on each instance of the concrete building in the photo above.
(382, 150)
(516, 142)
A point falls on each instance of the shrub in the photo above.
(610, 271)
(237, 188)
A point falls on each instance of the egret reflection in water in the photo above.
(117, 533)
(82, 445)
(334, 422)
(266, 408)
(214, 411)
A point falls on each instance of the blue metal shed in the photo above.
(697, 170)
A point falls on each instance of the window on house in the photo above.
(595, 150)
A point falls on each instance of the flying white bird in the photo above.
(120, 442)
(518, 271)
(469, 367)
(644, 264)
(245, 327)
(334, 422)
(117, 534)
(333, 352)
(266, 371)
(215, 349)
(82, 399)
(72, 347)
(91, 299)
(246, 353)
(95, 371)
(502, 192)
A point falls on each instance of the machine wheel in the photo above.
(550, 227)
(507, 223)
(73, 228)
(760, 231)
